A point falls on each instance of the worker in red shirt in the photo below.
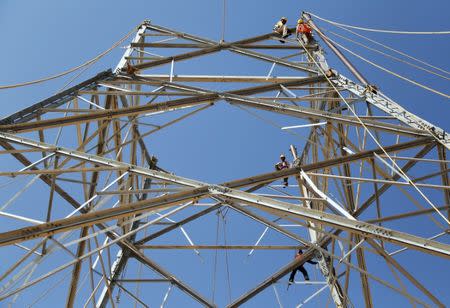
(283, 164)
(304, 32)
(300, 268)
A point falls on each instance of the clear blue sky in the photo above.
(40, 38)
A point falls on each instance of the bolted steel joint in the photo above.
(217, 189)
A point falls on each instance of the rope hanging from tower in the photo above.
(66, 72)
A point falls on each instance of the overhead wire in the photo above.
(387, 55)
(272, 123)
(394, 164)
(227, 265)
(9, 182)
(214, 278)
(224, 16)
(391, 72)
(394, 50)
(382, 30)
(52, 288)
(66, 72)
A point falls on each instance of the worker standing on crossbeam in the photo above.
(282, 29)
(283, 164)
(300, 268)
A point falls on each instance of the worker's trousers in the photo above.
(305, 37)
(283, 31)
(301, 269)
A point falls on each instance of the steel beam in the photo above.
(408, 214)
(380, 101)
(193, 101)
(54, 101)
(92, 218)
(169, 105)
(269, 177)
(137, 38)
(218, 78)
(304, 112)
(259, 180)
(325, 265)
(254, 180)
(156, 267)
(308, 254)
(215, 47)
(111, 113)
(442, 154)
(122, 256)
(394, 109)
(223, 247)
(177, 225)
(196, 45)
(123, 244)
(356, 227)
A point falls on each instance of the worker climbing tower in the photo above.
(93, 216)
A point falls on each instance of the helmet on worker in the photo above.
(283, 19)
(300, 21)
(282, 157)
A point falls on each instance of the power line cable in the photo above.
(227, 265)
(224, 16)
(66, 72)
(214, 278)
(394, 50)
(381, 30)
(391, 72)
(388, 55)
(272, 123)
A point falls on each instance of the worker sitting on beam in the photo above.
(281, 28)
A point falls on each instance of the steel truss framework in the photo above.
(363, 152)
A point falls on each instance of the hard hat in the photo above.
(282, 155)
(300, 21)
(283, 18)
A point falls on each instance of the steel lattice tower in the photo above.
(105, 208)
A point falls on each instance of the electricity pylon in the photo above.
(93, 211)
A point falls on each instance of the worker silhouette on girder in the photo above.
(283, 164)
(300, 268)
